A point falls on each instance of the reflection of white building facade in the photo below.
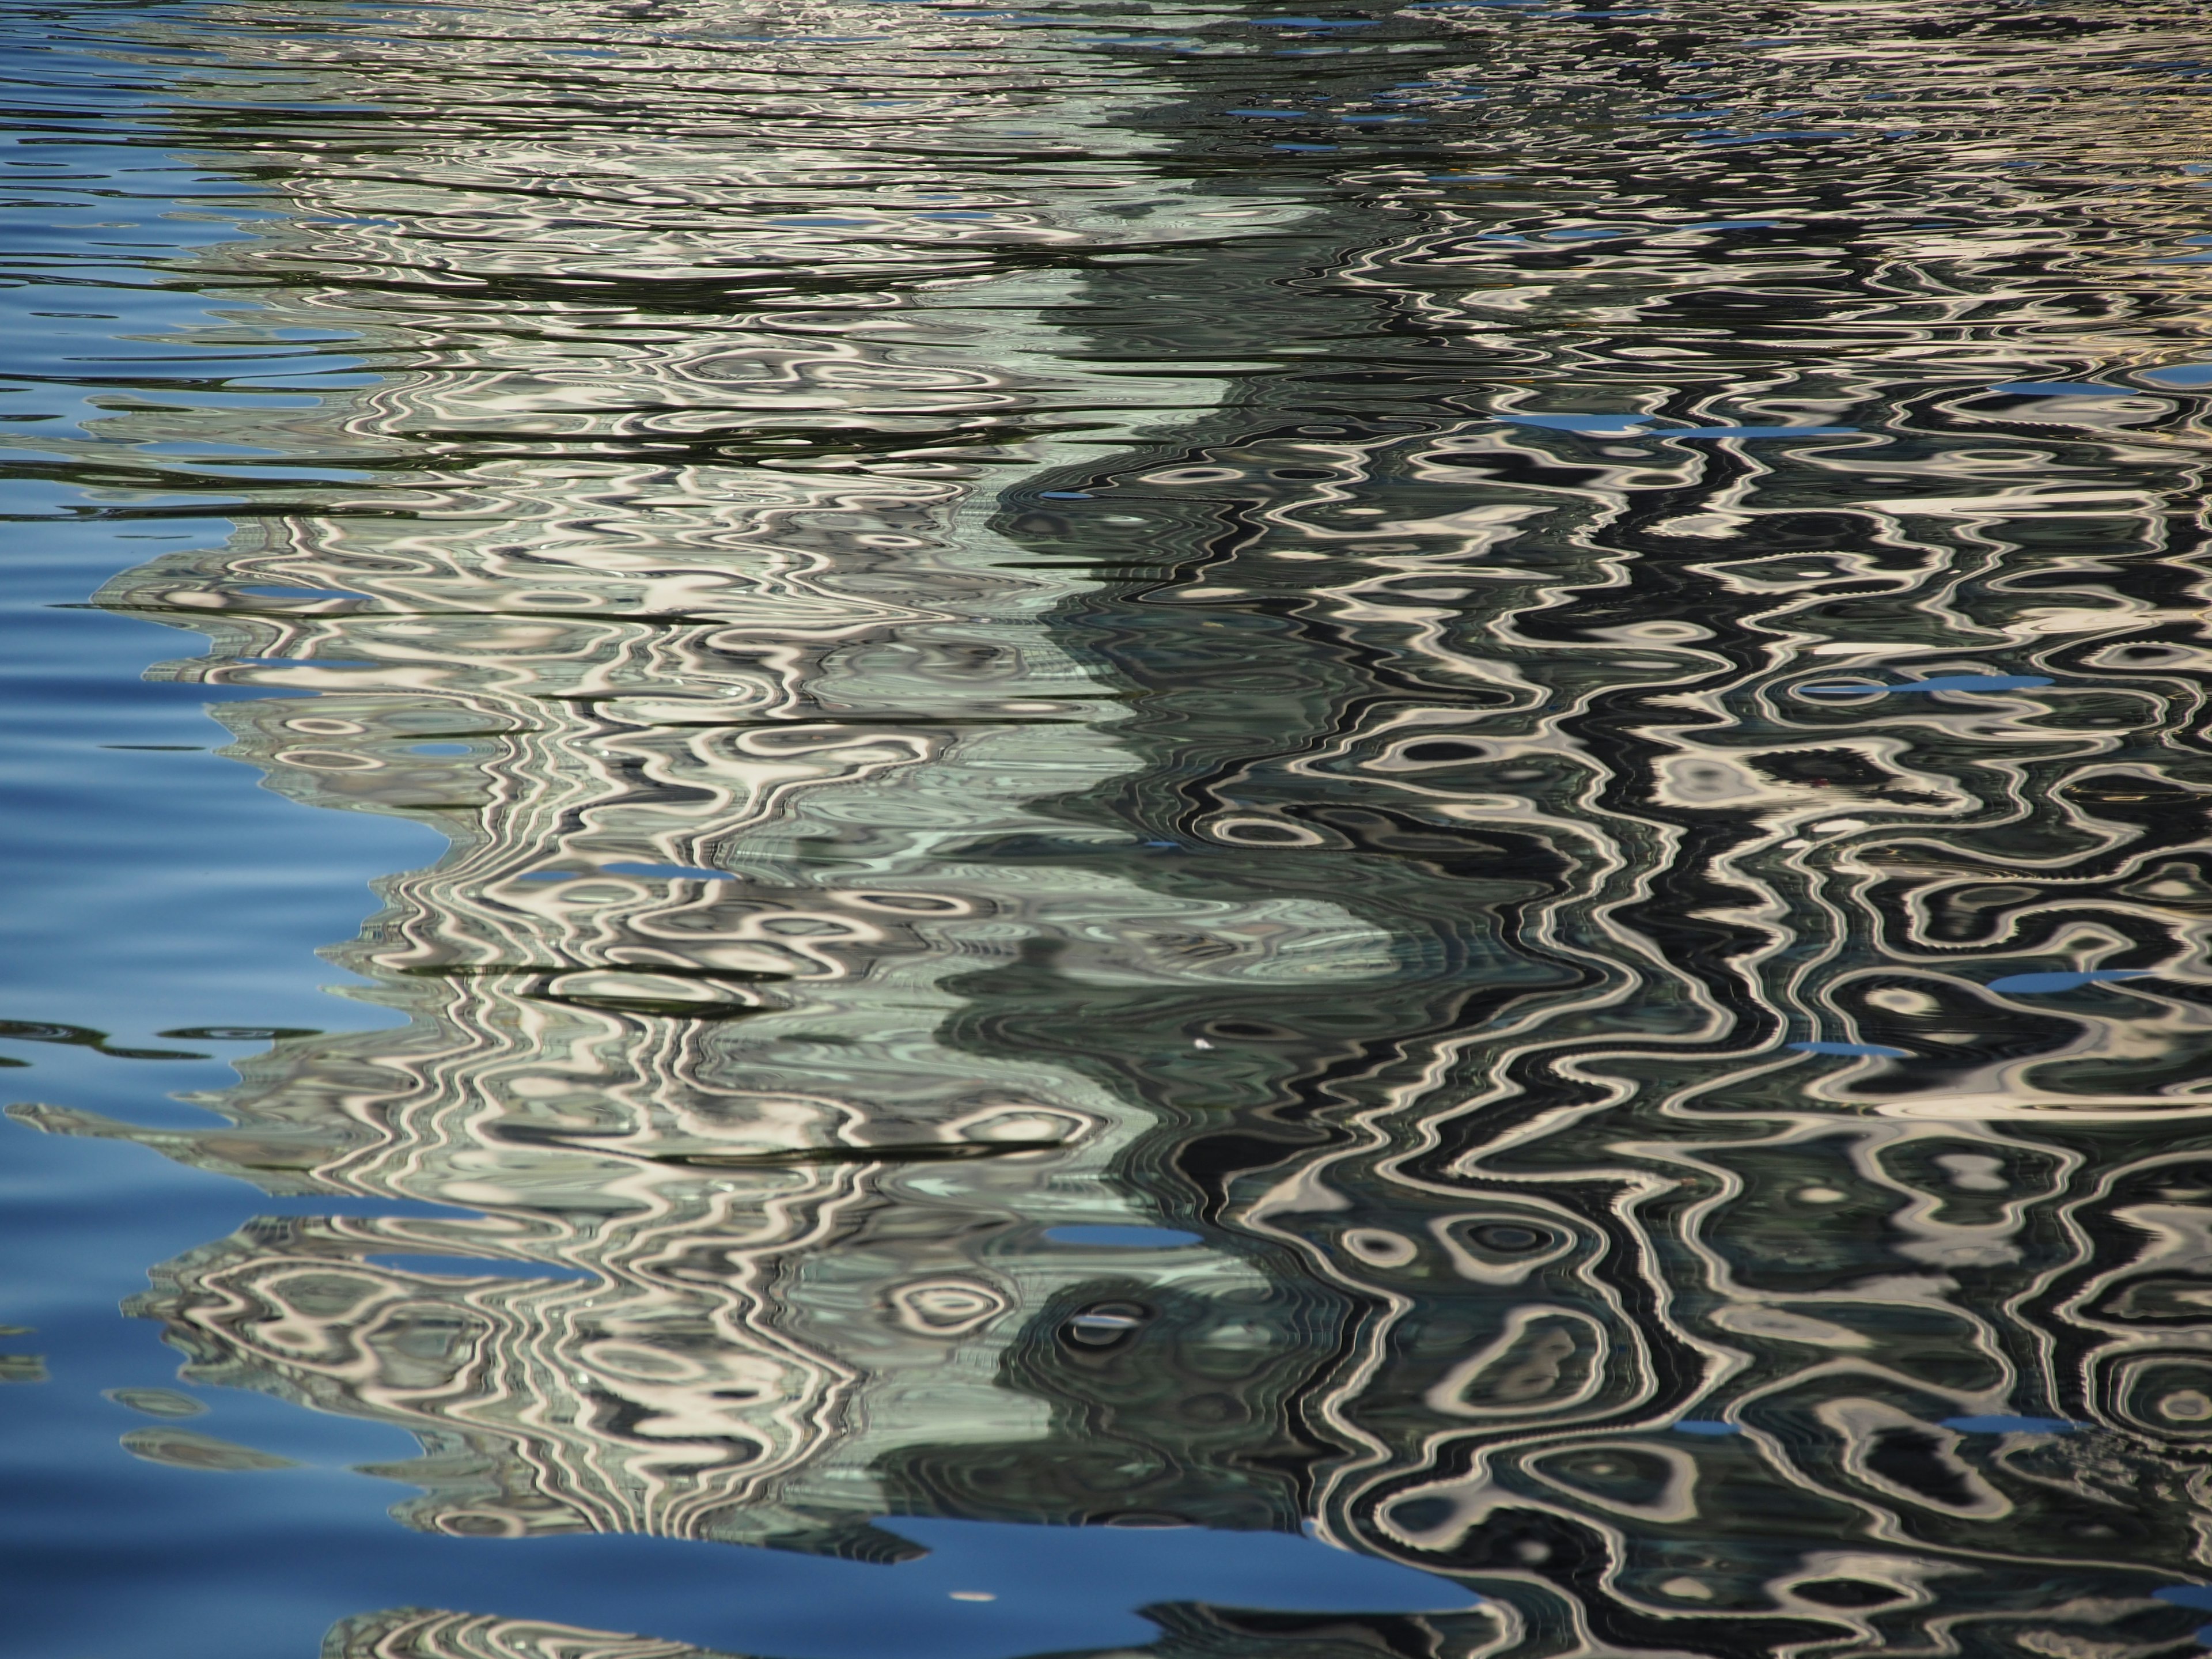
(688, 635)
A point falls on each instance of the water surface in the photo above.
(846, 828)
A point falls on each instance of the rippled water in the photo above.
(846, 829)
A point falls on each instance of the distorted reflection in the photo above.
(1433, 773)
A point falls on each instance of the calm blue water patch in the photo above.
(1708, 1426)
(2037, 984)
(2183, 375)
(1870, 1050)
(671, 870)
(59, 369)
(2187, 1595)
(1611, 425)
(2059, 389)
(130, 898)
(469, 1266)
(1124, 1238)
(2000, 1424)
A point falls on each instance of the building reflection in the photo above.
(859, 872)
(742, 1239)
